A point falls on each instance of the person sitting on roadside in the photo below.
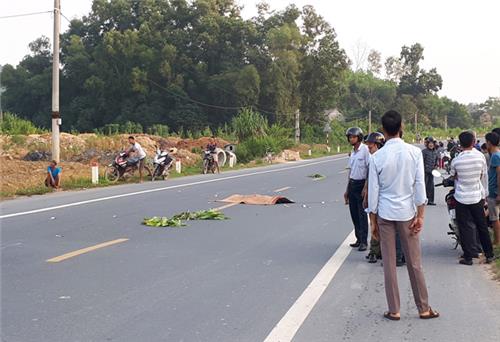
(53, 178)
(138, 157)
(470, 173)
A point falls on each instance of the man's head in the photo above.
(131, 139)
(354, 135)
(496, 130)
(466, 139)
(392, 124)
(492, 141)
(374, 141)
(53, 164)
(430, 145)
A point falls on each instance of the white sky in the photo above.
(461, 38)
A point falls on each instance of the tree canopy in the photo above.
(193, 64)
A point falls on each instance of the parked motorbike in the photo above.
(451, 204)
(121, 167)
(447, 161)
(208, 163)
(162, 163)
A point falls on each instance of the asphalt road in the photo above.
(228, 280)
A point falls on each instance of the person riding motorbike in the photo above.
(212, 148)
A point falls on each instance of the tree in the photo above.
(374, 62)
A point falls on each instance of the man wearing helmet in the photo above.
(358, 172)
(430, 156)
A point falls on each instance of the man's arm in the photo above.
(484, 177)
(420, 194)
(498, 183)
(373, 188)
(418, 222)
(346, 194)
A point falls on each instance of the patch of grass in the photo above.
(18, 139)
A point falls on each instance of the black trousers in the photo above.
(470, 216)
(358, 214)
(429, 186)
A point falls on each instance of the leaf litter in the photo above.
(180, 220)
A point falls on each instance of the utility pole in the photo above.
(297, 126)
(56, 116)
(369, 121)
(446, 122)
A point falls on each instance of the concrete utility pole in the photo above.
(56, 116)
(297, 126)
(369, 121)
(416, 122)
(446, 122)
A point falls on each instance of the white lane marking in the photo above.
(283, 189)
(345, 171)
(165, 188)
(288, 326)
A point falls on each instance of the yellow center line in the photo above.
(85, 250)
(226, 206)
(283, 189)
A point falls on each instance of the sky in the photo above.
(461, 38)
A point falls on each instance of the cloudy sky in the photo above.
(461, 38)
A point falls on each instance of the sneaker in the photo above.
(474, 256)
(490, 259)
(431, 203)
(363, 247)
(400, 262)
(355, 245)
(465, 262)
(372, 258)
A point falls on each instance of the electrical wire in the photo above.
(23, 15)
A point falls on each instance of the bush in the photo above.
(160, 130)
(249, 124)
(255, 148)
(18, 139)
(14, 125)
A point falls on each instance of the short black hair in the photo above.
(466, 139)
(54, 162)
(131, 137)
(496, 130)
(391, 122)
(493, 138)
(483, 146)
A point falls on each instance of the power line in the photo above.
(23, 15)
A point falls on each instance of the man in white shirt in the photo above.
(470, 172)
(396, 193)
(358, 173)
(139, 155)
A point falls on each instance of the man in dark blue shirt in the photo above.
(492, 141)
(53, 175)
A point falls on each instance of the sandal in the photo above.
(391, 316)
(431, 314)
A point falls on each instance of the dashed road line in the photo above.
(85, 250)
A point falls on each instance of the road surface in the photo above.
(268, 273)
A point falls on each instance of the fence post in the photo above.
(95, 172)
(178, 166)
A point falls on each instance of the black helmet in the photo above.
(376, 138)
(356, 131)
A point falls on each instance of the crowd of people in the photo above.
(390, 182)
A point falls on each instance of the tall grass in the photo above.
(14, 125)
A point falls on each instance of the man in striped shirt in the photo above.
(471, 188)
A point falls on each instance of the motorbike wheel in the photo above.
(112, 174)
(205, 167)
(156, 173)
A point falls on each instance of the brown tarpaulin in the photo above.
(256, 199)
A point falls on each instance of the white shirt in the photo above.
(358, 163)
(471, 173)
(397, 182)
(137, 148)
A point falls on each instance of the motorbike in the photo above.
(121, 167)
(162, 163)
(446, 161)
(208, 163)
(451, 205)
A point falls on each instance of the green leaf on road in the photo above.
(178, 220)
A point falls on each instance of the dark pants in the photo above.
(358, 214)
(468, 217)
(429, 186)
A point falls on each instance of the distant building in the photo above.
(334, 114)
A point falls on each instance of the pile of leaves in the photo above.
(180, 219)
(317, 176)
